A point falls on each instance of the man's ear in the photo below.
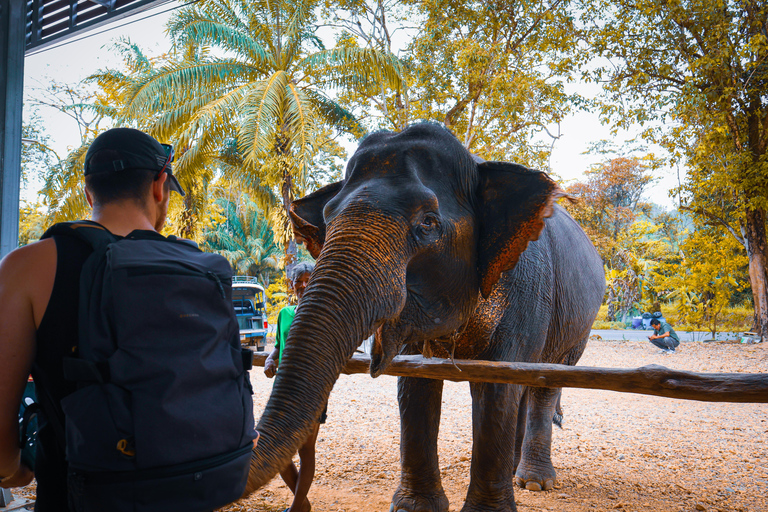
(307, 217)
(513, 203)
(158, 187)
(88, 197)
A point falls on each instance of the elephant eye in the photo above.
(429, 222)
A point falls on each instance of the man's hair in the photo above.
(133, 184)
(304, 267)
(655, 321)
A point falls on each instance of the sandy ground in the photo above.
(616, 451)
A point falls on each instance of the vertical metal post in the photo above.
(12, 25)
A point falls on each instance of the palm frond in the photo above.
(342, 65)
(192, 27)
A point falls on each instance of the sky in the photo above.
(75, 59)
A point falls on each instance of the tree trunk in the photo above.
(286, 191)
(188, 221)
(755, 238)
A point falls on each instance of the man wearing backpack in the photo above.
(128, 181)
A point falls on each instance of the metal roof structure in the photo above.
(27, 26)
(52, 21)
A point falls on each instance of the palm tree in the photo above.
(250, 77)
(245, 239)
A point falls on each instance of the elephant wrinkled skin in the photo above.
(439, 253)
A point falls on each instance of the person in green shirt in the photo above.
(664, 336)
(298, 480)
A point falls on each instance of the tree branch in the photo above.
(716, 220)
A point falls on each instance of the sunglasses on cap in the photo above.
(169, 153)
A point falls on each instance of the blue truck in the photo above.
(250, 303)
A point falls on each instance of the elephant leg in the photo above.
(420, 488)
(494, 422)
(522, 416)
(535, 471)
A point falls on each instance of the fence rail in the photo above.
(648, 380)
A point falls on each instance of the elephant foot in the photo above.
(501, 503)
(411, 501)
(535, 479)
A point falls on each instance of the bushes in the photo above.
(734, 319)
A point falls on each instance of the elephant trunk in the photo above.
(336, 313)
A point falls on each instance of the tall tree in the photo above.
(62, 190)
(378, 24)
(609, 206)
(609, 200)
(256, 73)
(700, 69)
(707, 277)
(117, 87)
(494, 72)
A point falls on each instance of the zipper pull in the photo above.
(218, 283)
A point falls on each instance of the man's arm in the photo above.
(26, 280)
(271, 363)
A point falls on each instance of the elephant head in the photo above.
(406, 245)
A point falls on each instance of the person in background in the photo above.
(298, 480)
(664, 336)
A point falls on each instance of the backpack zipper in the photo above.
(164, 472)
(143, 271)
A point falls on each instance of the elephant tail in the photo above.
(557, 418)
(571, 358)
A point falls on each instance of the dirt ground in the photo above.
(616, 451)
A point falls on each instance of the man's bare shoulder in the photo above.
(32, 256)
(27, 274)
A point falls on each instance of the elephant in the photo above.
(438, 252)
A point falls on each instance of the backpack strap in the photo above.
(90, 232)
(99, 239)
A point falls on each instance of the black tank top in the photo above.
(56, 338)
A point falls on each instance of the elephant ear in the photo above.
(307, 217)
(514, 201)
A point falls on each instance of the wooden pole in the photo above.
(648, 380)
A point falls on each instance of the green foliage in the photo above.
(277, 298)
(601, 324)
(711, 271)
(31, 222)
(243, 236)
(248, 81)
(62, 191)
(494, 73)
(735, 319)
(36, 155)
(609, 207)
(699, 70)
(609, 201)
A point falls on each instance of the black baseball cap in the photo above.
(120, 149)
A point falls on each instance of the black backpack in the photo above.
(162, 419)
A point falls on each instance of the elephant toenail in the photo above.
(520, 482)
(533, 486)
(548, 485)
